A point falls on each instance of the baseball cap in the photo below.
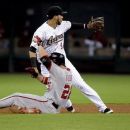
(55, 10)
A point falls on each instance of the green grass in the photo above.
(11, 83)
(111, 88)
(65, 122)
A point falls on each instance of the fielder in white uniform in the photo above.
(55, 98)
(51, 36)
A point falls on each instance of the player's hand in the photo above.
(25, 110)
(31, 71)
(96, 24)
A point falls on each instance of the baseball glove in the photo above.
(96, 24)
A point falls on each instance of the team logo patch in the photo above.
(37, 40)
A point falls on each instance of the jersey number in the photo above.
(66, 92)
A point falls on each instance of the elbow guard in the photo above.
(32, 49)
(46, 61)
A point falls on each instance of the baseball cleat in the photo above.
(108, 111)
(73, 110)
(70, 109)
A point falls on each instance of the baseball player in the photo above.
(50, 35)
(54, 99)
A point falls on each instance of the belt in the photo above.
(55, 105)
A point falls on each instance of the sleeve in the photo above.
(38, 38)
(34, 44)
(66, 25)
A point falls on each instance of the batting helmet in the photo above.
(55, 10)
(58, 58)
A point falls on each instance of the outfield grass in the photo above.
(112, 89)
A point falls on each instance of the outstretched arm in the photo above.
(44, 57)
(93, 24)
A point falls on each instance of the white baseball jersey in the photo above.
(59, 93)
(53, 41)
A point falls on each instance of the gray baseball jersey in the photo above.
(59, 92)
(61, 84)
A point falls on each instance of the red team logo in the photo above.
(37, 40)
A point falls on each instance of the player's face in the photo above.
(59, 19)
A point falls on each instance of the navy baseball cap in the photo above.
(55, 10)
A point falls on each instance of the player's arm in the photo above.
(79, 26)
(33, 70)
(36, 41)
(44, 57)
(36, 75)
(45, 61)
(33, 59)
(93, 24)
(24, 110)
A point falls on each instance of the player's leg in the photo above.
(85, 88)
(28, 102)
(7, 101)
(21, 100)
(69, 106)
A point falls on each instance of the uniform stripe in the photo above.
(26, 98)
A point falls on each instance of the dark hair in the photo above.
(54, 10)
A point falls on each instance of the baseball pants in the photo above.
(29, 101)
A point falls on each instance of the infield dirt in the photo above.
(85, 108)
